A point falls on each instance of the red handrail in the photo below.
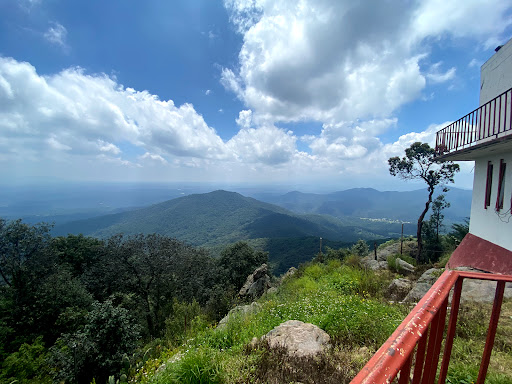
(423, 328)
(492, 119)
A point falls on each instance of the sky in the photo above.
(293, 93)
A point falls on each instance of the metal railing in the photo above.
(421, 335)
(489, 121)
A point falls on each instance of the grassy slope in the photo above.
(346, 302)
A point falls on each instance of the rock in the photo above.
(298, 338)
(426, 280)
(290, 272)
(240, 310)
(405, 267)
(481, 291)
(256, 284)
(409, 248)
(398, 289)
(272, 290)
(370, 263)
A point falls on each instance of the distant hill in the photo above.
(218, 217)
(370, 203)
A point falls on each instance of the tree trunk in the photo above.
(420, 224)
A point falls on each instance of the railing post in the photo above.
(491, 333)
(450, 334)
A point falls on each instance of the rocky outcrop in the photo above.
(257, 284)
(426, 280)
(240, 310)
(409, 248)
(298, 338)
(370, 263)
(398, 289)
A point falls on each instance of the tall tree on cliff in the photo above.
(419, 163)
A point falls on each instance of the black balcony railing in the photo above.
(490, 121)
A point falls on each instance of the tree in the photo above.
(430, 231)
(360, 248)
(437, 217)
(96, 350)
(419, 163)
(238, 261)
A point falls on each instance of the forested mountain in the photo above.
(218, 217)
(370, 203)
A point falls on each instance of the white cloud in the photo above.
(56, 34)
(335, 61)
(268, 145)
(436, 76)
(91, 114)
(153, 157)
(207, 92)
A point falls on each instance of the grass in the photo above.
(344, 301)
(470, 340)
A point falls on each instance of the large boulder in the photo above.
(398, 289)
(240, 310)
(370, 263)
(409, 248)
(481, 291)
(257, 283)
(298, 338)
(404, 267)
(426, 280)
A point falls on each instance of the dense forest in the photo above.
(76, 308)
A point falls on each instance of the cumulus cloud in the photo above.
(335, 61)
(90, 114)
(348, 65)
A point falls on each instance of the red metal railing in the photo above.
(422, 332)
(491, 120)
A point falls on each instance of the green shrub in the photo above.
(198, 366)
(353, 261)
(27, 365)
(360, 248)
(179, 324)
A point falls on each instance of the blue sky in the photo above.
(241, 91)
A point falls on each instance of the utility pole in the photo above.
(320, 245)
(402, 239)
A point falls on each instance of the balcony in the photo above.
(491, 123)
(412, 352)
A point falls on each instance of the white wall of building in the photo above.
(496, 74)
(486, 223)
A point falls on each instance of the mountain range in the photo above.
(218, 217)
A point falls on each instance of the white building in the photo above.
(485, 136)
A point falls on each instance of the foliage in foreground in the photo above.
(339, 299)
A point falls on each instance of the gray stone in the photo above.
(290, 272)
(370, 263)
(240, 310)
(405, 267)
(481, 291)
(257, 283)
(298, 338)
(409, 248)
(426, 280)
(398, 289)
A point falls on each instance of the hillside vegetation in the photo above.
(218, 217)
(145, 309)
